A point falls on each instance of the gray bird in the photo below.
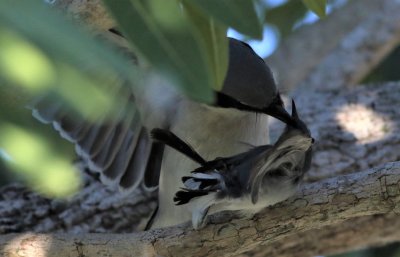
(248, 181)
(123, 154)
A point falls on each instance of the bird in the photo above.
(125, 157)
(248, 181)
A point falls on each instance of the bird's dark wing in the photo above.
(120, 149)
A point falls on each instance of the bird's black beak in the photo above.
(277, 110)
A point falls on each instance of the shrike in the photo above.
(124, 155)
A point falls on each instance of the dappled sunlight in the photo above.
(89, 96)
(365, 124)
(162, 10)
(38, 163)
(28, 245)
(23, 63)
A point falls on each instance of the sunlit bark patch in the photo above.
(364, 123)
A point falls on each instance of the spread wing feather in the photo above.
(120, 149)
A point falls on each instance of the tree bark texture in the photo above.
(331, 51)
(318, 205)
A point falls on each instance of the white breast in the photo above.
(213, 132)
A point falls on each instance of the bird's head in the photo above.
(295, 128)
(248, 80)
(249, 84)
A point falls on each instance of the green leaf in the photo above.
(52, 54)
(35, 160)
(238, 14)
(285, 16)
(212, 35)
(159, 31)
(41, 53)
(317, 6)
(60, 39)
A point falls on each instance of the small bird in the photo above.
(248, 181)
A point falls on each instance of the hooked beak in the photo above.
(275, 109)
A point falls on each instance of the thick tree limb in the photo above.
(362, 30)
(355, 233)
(95, 208)
(358, 52)
(318, 205)
(354, 129)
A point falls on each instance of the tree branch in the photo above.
(359, 51)
(340, 49)
(319, 205)
(355, 233)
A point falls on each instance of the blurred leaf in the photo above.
(60, 39)
(24, 63)
(316, 6)
(160, 32)
(43, 53)
(29, 72)
(212, 35)
(37, 162)
(285, 16)
(52, 54)
(238, 14)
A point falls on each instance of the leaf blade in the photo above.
(214, 42)
(316, 6)
(158, 30)
(238, 14)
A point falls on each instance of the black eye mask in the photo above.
(275, 109)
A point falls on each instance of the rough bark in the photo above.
(330, 202)
(353, 234)
(95, 208)
(354, 129)
(343, 38)
(358, 52)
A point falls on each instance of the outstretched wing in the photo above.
(119, 149)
